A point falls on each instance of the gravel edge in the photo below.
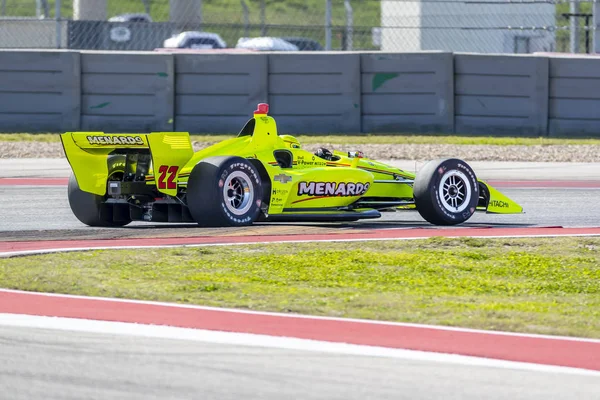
(419, 152)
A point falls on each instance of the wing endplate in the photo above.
(500, 203)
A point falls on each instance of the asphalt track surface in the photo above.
(28, 209)
(39, 363)
(30, 213)
(48, 364)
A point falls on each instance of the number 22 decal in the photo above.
(163, 170)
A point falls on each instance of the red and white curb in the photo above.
(15, 248)
(349, 336)
(12, 249)
(265, 341)
(26, 181)
(419, 342)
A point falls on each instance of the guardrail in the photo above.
(349, 92)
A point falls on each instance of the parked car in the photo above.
(265, 44)
(195, 40)
(304, 44)
(136, 17)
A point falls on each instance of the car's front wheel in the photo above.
(446, 192)
(224, 191)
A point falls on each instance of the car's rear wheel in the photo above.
(224, 191)
(89, 208)
(446, 192)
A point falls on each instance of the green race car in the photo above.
(257, 176)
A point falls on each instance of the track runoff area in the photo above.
(344, 336)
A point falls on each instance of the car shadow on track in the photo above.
(145, 230)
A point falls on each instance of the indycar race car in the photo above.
(257, 176)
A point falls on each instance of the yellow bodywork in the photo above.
(501, 204)
(87, 153)
(286, 190)
(308, 183)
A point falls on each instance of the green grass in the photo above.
(358, 139)
(549, 286)
(367, 12)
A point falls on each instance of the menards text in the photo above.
(332, 188)
(108, 140)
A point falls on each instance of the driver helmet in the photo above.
(324, 153)
(290, 141)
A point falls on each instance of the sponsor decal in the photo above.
(283, 178)
(234, 218)
(468, 213)
(332, 188)
(120, 34)
(118, 140)
(310, 163)
(278, 196)
(468, 171)
(248, 169)
(498, 204)
(279, 192)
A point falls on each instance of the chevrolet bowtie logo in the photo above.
(283, 178)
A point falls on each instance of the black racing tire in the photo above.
(87, 207)
(446, 191)
(224, 191)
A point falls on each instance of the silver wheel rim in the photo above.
(455, 191)
(238, 193)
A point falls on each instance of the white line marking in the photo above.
(303, 316)
(245, 339)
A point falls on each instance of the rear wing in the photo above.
(100, 141)
(87, 153)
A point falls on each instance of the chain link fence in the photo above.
(488, 26)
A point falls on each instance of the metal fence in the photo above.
(487, 26)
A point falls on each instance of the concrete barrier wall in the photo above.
(217, 93)
(407, 92)
(315, 93)
(500, 95)
(534, 95)
(39, 91)
(131, 92)
(574, 105)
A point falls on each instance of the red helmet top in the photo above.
(263, 108)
